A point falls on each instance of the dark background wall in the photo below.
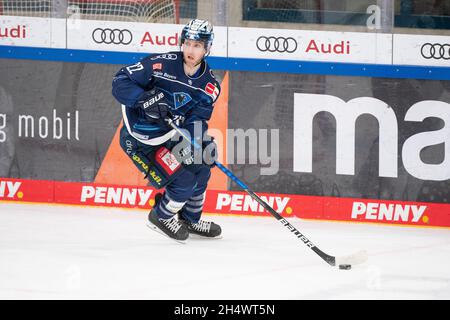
(36, 89)
(266, 100)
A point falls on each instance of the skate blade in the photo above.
(199, 237)
(154, 228)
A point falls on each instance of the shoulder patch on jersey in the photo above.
(180, 99)
(212, 90)
(135, 67)
(157, 66)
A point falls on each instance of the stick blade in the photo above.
(356, 258)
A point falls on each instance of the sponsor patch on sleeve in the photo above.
(212, 90)
(157, 66)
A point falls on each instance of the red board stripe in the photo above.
(231, 202)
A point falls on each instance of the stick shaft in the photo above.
(327, 258)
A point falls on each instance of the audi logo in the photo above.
(276, 44)
(112, 36)
(166, 56)
(436, 51)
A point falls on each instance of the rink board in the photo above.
(362, 127)
(231, 42)
(232, 202)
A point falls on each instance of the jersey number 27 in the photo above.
(135, 67)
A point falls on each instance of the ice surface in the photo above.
(70, 252)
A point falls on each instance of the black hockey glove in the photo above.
(154, 104)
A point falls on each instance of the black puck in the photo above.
(345, 266)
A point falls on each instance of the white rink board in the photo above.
(421, 50)
(32, 32)
(308, 45)
(64, 252)
(233, 42)
(133, 37)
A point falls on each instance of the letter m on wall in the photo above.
(306, 106)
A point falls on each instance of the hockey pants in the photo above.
(184, 191)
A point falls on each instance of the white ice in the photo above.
(70, 252)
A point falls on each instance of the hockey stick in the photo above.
(345, 261)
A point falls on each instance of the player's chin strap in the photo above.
(356, 258)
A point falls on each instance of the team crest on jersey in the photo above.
(157, 66)
(212, 90)
(181, 99)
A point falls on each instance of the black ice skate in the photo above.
(202, 228)
(170, 227)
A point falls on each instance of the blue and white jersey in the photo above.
(190, 98)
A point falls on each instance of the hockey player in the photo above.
(179, 86)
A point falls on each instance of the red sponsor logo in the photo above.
(226, 202)
(159, 40)
(26, 190)
(167, 160)
(342, 47)
(212, 90)
(16, 32)
(157, 66)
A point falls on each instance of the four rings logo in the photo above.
(166, 56)
(435, 51)
(112, 36)
(276, 44)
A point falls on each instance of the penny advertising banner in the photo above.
(231, 202)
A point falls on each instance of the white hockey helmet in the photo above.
(199, 30)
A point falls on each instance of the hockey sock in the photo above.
(193, 208)
(167, 207)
